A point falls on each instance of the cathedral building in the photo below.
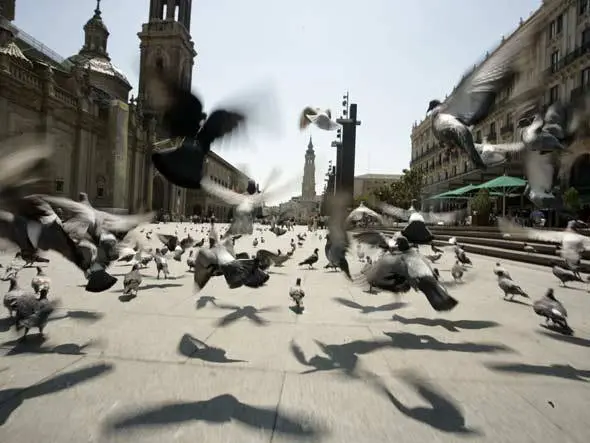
(103, 137)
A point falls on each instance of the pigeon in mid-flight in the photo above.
(322, 118)
(183, 118)
(474, 97)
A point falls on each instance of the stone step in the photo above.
(505, 249)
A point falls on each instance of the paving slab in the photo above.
(226, 365)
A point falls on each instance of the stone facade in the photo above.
(103, 138)
(557, 68)
(365, 184)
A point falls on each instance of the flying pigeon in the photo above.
(321, 118)
(475, 95)
(183, 118)
(408, 269)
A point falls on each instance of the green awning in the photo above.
(454, 193)
(502, 182)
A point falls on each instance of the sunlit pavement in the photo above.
(239, 366)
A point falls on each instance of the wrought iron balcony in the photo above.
(568, 59)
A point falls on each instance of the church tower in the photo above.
(166, 43)
(308, 185)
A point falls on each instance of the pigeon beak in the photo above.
(100, 281)
(181, 166)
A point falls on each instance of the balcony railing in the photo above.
(569, 58)
(507, 129)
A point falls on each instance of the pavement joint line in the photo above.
(276, 418)
(204, 341)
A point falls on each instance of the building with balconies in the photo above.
(556, 68)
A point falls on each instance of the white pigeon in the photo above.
(322, 118)
(358, 213)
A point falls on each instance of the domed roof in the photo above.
(94, 55)
(99, 64)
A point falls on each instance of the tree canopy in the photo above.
(401, 192)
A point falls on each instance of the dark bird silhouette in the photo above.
(311, 260)
(183, 117)
(337, 242)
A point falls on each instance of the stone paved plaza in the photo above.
(239, 366)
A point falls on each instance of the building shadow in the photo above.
(221, 409)
(11, 399)
(449, 325)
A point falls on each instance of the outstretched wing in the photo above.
(227, 195)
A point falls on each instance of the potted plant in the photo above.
(481, 205)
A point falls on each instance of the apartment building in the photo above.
(558, 68)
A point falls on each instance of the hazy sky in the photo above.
(393, 56)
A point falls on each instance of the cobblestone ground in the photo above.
(240, 366)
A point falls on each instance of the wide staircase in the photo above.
(488, 240)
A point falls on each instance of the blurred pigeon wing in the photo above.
(473, 98)
(82, 212)
(227, 195)
(124, 223)
(539, 171)
(372, 238)
(445, 217)
(404, 214)
(417, 266)
(220, 123)
(508, 227)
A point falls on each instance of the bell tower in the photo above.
(166, 42)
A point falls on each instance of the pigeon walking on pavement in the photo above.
(553, 311)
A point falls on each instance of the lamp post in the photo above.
(345, 144)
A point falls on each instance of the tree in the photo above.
(571, 198)
(481, 205)
(401, 192)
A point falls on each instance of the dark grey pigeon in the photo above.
(183, 117)
(553, 311)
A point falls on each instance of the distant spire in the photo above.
(310, 146)
(97, 10)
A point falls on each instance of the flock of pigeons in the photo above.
(545, 133)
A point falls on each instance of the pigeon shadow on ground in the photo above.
(248, 312)
(367, 309)
(574, 288)
(560, 371)
(153, 286)
(442, 413)
(86, 316)
(558, 328)
(449, 325)
(409, 341)
(204, 300)
(342, 358)
(516, 301)
(33, 344)
(224, 408)
(192, 347)
(11, 399)
(578, 341)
